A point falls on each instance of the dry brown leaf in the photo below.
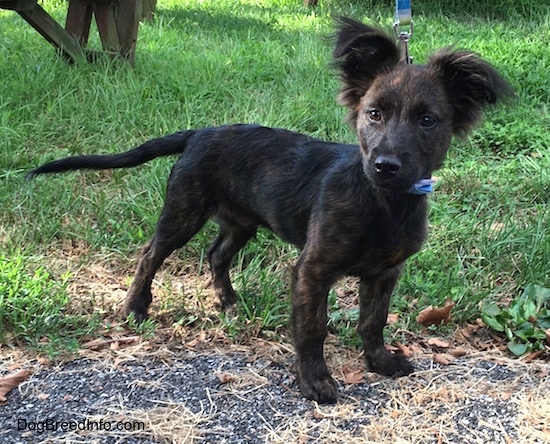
(43, 360)
(11, 381)
(95, 344)
(102, 343)
(404, 350)
(437, 342)
(443, 358)
(198, 340)
(395, 414)
(226, 378)
(435, 316)
(458, 352)
(355, 377)
(352, 375)
(469, 330)
(392, 318)
(43, 396)
(532, 356)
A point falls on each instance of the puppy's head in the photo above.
(406, 114)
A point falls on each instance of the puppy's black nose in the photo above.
(387, 165)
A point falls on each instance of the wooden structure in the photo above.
(117, 22)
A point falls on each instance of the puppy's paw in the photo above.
(318, 386)
(136, 306)
(139, 315)
(388, 364)
(227, 298)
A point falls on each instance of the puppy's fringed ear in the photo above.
(361, 54)
(471, 84)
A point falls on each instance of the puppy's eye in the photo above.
(427, 121)
(375, 115)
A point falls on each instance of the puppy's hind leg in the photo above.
(183, 215)
(232, 237)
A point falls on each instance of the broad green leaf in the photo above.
(492, 322)
(517, 349)
(524, 331)
(491, 309)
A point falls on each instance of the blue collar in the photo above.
(422, 187)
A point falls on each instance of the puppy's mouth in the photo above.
(400, 183)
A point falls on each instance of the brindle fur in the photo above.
(347, 207)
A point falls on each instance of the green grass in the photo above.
(33, 310)
(206, 63)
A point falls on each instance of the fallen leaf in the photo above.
(352, 375)
(95, 344)
(458, 352)
(395, 414)
(355, 377)
(404, 350)
(226, 378)
(437, 342)
(101, 343)
(43, 396)
(11, 381)
(43, 360)
(392, 318)
(468, 330)
(198, 340)
(435, 316)
(443, 358)
(532, 356)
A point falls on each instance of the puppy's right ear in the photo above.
(361, 54)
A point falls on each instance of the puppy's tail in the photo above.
(163, 146)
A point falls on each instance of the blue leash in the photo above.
(403, 25)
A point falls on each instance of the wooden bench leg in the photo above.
(118, 27)
(148, 9)
(128, 15)
(79, 20)
(53, 32)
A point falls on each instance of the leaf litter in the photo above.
(216, 391)
(188, 384)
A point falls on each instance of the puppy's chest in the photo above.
(389, 243)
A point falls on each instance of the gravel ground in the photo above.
(237, 397)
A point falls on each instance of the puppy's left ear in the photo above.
(471, 84)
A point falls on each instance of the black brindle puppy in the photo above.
(352, 210)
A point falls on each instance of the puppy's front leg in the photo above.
(309, 322)
(374, 301)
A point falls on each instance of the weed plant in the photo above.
(205, 63)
